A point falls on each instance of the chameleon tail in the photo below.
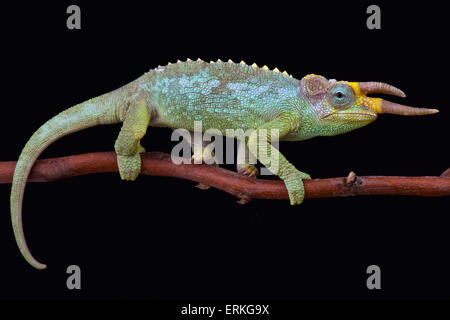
(88, 114)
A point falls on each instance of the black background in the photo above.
(162, 239)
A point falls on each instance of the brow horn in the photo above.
(380, 87)
(395, 108)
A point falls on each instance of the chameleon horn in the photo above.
(395, 108)
(380, 87)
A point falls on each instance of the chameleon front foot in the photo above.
(248, 170)
(295, 187)
(129, 166)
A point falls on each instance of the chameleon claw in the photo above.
(248, 170)
(296, 189)
(129, 166)
(141, 149)
(305, 176)
(297, 196)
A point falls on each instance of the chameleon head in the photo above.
(343, 106)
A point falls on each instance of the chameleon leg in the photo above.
(273, 160)
(243, 161)
(128, 144)
(203, 151)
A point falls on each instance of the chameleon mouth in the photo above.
(383, 106)
(367, 115)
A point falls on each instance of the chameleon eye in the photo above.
(340, 96)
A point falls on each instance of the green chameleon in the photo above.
(223, 95)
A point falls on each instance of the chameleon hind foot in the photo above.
(129, 166)
(248, 170)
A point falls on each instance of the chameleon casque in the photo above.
(223, 95)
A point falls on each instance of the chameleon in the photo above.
(223, 95)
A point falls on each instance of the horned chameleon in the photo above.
(223, 95)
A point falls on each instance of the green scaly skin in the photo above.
(223, 95)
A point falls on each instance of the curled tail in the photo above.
(102, 110)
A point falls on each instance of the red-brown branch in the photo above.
(160, 164)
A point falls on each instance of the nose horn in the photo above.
(380, 87)
(391, 107)
(395, 108)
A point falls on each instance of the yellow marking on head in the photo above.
(230, 61)
(276, 70)
(266, 68)
(285, 73)
(188, 60)
(254, 65)
(376, 104)
(242, 62)
(355, 87)
(363, 100)
(312, 75)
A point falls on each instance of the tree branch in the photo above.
(245, 188)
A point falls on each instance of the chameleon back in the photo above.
(224, 95)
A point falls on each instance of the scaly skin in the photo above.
(223, 95)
